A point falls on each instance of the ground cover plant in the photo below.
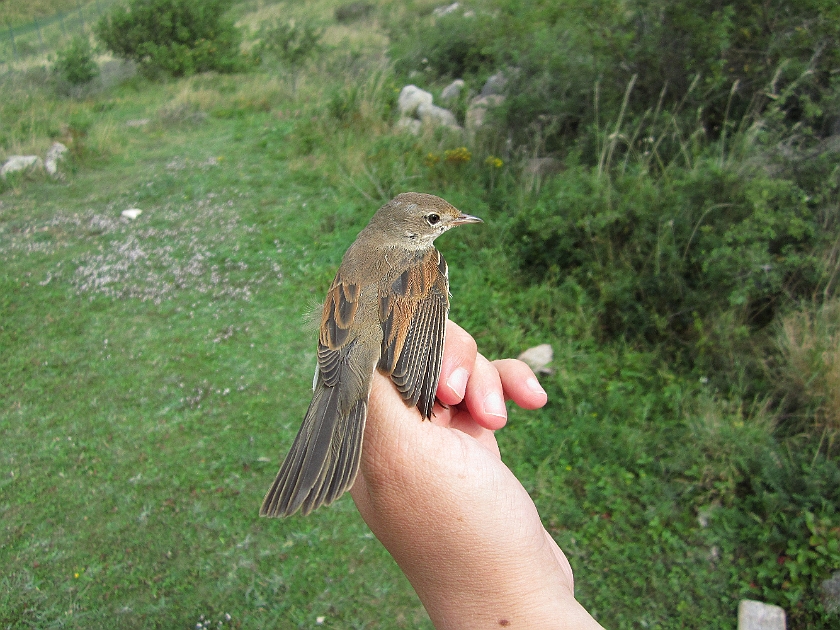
(683, 265)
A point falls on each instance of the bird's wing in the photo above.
(324, 457)
(340, 310)
(413, 311)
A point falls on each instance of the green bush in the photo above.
(289, 43)
(75, 63)
(452, 46)
(660, 256)
(175, 37)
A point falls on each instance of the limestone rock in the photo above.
(538, 358)
(753, 615)
(416, 109)
(495, 85)
(830, 594)
(131, 213)
(411, 97)
(55, 154)
(452, 91)
(445, 9)
(18, 163)
(436, 116)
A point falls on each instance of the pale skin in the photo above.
(454, 517)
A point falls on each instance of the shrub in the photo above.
(289, 43)
(661, 256)
(75, 63)
(451, 46)
(175, 37)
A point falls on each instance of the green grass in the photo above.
(153, 373)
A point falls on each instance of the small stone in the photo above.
(445, 9)
(131, 213)
(452, 91)
(538, 358)
(18, 163)
(830, 593)
(753, 615)
(54, 155)
(137, 122)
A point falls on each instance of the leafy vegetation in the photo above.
(683, 263)
(176, 37)
(75, 64)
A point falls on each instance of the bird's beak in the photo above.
(465, 218)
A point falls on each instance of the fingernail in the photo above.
(458, 382)
(534, 385)
(494, 405)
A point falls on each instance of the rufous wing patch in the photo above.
(339, 312)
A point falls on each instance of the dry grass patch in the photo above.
(810, 344)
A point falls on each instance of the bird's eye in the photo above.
(433, 219)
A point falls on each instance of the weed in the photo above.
(75, 63)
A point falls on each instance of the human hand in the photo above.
(454, 517)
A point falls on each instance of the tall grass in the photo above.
(809, 341)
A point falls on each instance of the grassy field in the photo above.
(153, 372)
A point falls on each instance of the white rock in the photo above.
(436, 116)
(137, 122)
(495, 85)
(54, 155)
(830, 593)
(17, 163)
(452, 91)
(445, 10)
(411, 97)
(131, 213)
(538, 358)
(753, 615)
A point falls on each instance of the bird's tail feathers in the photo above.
(324, 457)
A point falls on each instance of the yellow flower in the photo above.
(461, 155)
(494, 162)
(431, 159)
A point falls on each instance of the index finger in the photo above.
(459, 353)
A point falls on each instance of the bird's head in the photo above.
(414, 220)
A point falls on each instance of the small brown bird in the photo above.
(386, 309)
